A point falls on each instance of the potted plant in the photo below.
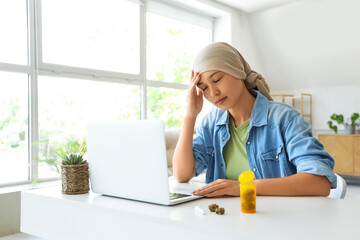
(74, 174)
(68, 156)
(350, 125)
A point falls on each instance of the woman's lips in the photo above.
(220, 101)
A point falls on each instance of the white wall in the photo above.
(243, 39)
(326, 101)
(9, 213)
(232, 26)
(313, 47)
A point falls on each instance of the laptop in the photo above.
(127, 159)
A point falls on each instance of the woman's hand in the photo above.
(220, 187)
(195, 97)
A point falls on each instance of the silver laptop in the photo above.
(127, 159)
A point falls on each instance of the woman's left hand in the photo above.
(220, 187)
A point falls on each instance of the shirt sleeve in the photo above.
(305, 151)
(199, 151)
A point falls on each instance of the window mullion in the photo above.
(143, 61)
(154, 83)
(15, 68)
(33, 90)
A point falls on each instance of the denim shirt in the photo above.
(279, 143)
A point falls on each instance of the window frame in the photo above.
(36, 67)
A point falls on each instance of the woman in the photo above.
(246, 131)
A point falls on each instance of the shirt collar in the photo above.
(224, 118)
(260, 109)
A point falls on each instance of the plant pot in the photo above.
(349, 129)
(75, 179)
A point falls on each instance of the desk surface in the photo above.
(49, 214)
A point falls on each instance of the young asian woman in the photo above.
(246, 131)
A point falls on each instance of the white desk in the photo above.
(51, 215)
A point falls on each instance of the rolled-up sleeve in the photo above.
(306, 152)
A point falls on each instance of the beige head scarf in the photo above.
(225, 58)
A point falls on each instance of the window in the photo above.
(14, 111)
(173, 38)
(13, 26)
(66, 104)
(64, 62)
(13, 127)
(94, 34)
(171, 47)
(167, 104)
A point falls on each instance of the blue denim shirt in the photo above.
(279, 143)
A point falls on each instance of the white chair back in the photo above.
(340, 190)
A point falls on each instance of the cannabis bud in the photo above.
(248, 195)
(213, 207)
(220, 211)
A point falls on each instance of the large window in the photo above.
(13, 26)
(63, 63)
(13, 127)
(171, 46)
(172, 40)
(92, 34)
(66, 104)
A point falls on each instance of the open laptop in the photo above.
(127, 159)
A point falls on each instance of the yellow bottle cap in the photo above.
(246, 177)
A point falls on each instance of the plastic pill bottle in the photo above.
(247, 192)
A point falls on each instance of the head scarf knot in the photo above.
(223, 57)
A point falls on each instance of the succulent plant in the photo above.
(73, 159)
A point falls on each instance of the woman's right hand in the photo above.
(195, 97)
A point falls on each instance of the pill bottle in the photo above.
(247, 192)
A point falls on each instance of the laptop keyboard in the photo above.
(178, 195)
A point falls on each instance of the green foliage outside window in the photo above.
(13, 123)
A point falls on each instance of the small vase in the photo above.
(349, 129)
(75, 179)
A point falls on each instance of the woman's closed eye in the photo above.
(215, 81)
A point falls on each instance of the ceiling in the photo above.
(251, 6)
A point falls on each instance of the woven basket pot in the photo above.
(75, 179)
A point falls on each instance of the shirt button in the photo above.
(248, 142)
(254, 169)
(222, 140)
(277, 157)
(222, 165)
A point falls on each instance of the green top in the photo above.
(235, 152)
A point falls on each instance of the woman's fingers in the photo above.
(199, 93)
(210, 187)
(195, 97)
(220, 192)
(193, 84)
(219, 188)
(195, 79)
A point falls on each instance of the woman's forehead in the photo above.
(209, 74)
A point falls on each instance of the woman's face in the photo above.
(221, 89)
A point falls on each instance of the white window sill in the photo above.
(29, 186)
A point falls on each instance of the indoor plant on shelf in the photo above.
(350, 125)
(74, 174)
(68, 157)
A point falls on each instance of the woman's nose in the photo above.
(214, 91)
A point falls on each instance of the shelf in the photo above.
(304, 104)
